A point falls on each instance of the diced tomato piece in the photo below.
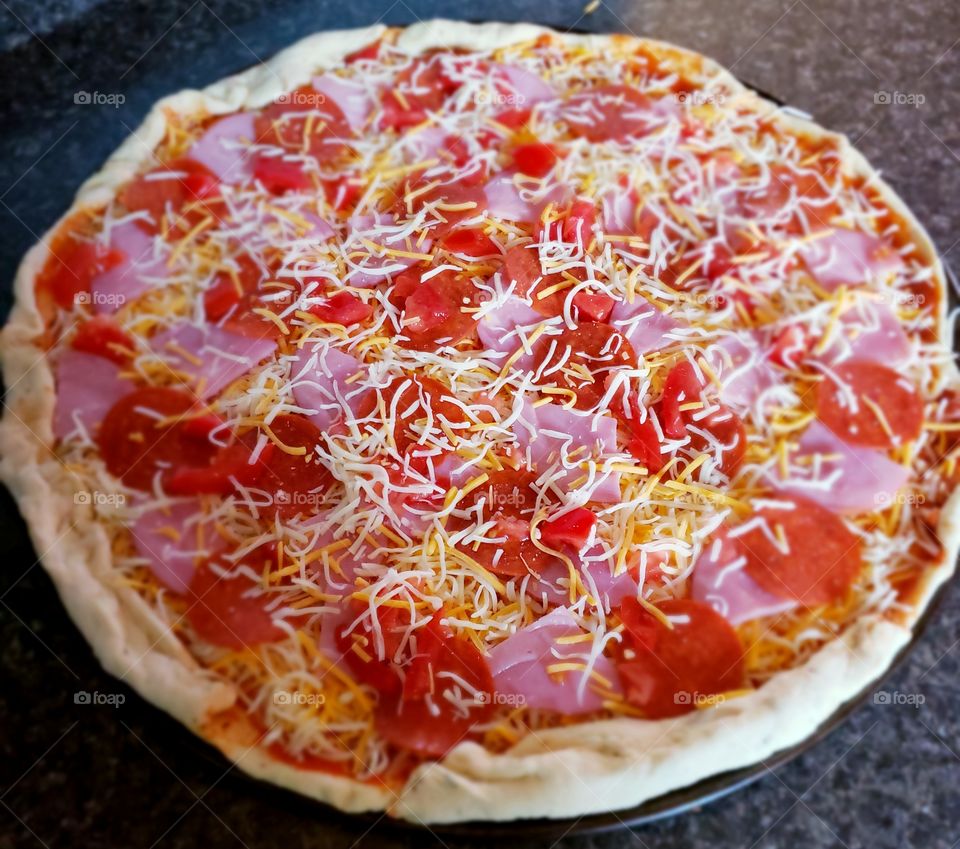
(535, 159)
(433, 314)
(230, 466)
(572, 528)
(343, 193)
(173, 186)
(509, 499)
(472, 243)
(405, 284)
(342, 308)
(368, 53)
(71, 267)
(222, 296)
(513, 118)
(136, 445)
(202, 426)
(817, 565)
(279, 175)
(457, 149)
(608, 113)
(593, 306)
(578, 223)
(224, 609)
(682, 387)
(305, 121)
(669, 670)
(598, 349)
(101, 335)
(790, 346)
(470, 200)
(644, 444)
(362, 654)
(885, 409)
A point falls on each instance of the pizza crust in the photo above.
(586, 768)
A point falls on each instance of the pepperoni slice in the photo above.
(298, 481)
(232, 465)
(410, 398)
(178, 186)
(227, 610)
(818, 563)
(232, 297)
(668, 671)
(420, 88)
(101, 335)
(72, 265)
(450, 204)
(608, 113)
(361, 654)
(137, 440)
(581, 360)
(278, 175)
(305, 121)
(884, 410)
(423, 720)
(727, 428)
(434, 314)
(509, 501)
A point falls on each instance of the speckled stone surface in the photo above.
(124, 776)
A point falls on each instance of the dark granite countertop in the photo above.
(111, 776)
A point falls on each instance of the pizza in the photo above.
(479, 422)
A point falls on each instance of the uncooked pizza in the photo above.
(478, 422)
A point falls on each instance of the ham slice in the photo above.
(351, 98)
(870, 330)
(87, 387)
(168, 538)
(376, 265)
(126, 281)
(646, 328)
(551, 432)
(519, 666)
(596, 574)
(504, 200)
(849, 257)
(841, 477)
(741, 364)
(319, 380)
(719, 580)
(497, 328)
(208, 357)
(524, 87)
(225, 148)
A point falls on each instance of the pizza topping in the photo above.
(675, 661)
(143, 435)
(869, 405)
(800, 550)
(225, 606)
(518, 373)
